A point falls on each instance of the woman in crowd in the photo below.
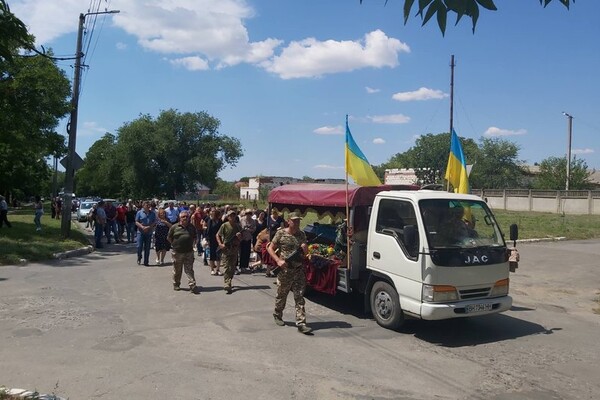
(212, 227)
(161, 244)
(274, 222)
(39, 211)
(130, 222)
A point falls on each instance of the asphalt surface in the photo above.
(100, 326)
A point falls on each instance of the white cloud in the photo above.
(121, 46)
(327, 166)
(371, 90)
(389, 119)
(379, 141)
(213, 30)
(493, 131)
(329, 130)
(310, 58)
(91, 128)
(422, 93)
(46, 19)
(187, 32)
(583, 151)
(191, 63)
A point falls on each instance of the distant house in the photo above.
(264, 184)
(400, 176)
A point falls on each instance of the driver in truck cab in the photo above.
(455, 228)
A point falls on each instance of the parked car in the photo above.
(84, 209)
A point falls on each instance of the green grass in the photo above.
(543, 225)
(23, 242)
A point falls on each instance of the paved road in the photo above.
(100, 326)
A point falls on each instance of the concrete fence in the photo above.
(552, 201)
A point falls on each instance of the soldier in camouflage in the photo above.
(228, 239)
(288, 249)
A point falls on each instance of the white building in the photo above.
(400, 176)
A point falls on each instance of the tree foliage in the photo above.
(429, 157)
(553, 174)
(495, 162)
(34, 96)
(426, 9)
(159, 156)
(13, 34)
(497, 165)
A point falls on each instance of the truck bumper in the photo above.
(471, 308)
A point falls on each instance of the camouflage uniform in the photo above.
(293, 277)
(227, 233)
(182, 241)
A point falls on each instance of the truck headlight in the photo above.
(439, 293)
(500, 288)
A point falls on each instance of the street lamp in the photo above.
(570, 134)
(72, 129)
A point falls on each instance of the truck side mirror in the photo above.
(514, 232)
(410, 236)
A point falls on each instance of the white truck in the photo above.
(412, 253)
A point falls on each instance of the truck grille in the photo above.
(477, 293)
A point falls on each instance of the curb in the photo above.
(550, 239)
(28, 394)
(74, 253)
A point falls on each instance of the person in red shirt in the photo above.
(121, 219)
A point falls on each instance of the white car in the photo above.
(84, 209)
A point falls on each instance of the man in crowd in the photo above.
(182, 237)
(111, 222)
(4, 213)
(291, 243)
(100, 216)
(228, 239)
(172, 213)
(145, 220)
(248, 225)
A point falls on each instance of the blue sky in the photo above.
(281, 75)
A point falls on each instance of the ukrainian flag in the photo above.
(456, 171)
(357, 165)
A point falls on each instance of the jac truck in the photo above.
(411, 253)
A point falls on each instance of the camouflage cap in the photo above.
(294, 215)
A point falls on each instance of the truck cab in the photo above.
(434, 255)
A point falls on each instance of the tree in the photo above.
(162, 156)
(553, 174)
(497, 166)
(34, 95)
(13, 34)
(426, 9)
(429, 157)
(226, 190)
(101, 173)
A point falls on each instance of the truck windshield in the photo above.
(459, 224)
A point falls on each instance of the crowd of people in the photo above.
(223, 237)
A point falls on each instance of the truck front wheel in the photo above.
(385, 305)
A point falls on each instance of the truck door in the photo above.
(388, 253)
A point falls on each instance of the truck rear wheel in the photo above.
(385, 305)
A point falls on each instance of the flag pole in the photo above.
(451, 106)
(347, 200)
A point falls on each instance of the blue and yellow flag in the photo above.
(357, 165)
(456, 171)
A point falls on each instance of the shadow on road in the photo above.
(462, 332)
(457, 332)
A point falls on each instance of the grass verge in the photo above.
(23, 242)
(535, 225)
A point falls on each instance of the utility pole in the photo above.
(65, 225)
(569, 137)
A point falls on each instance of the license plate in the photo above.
(478, 308)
